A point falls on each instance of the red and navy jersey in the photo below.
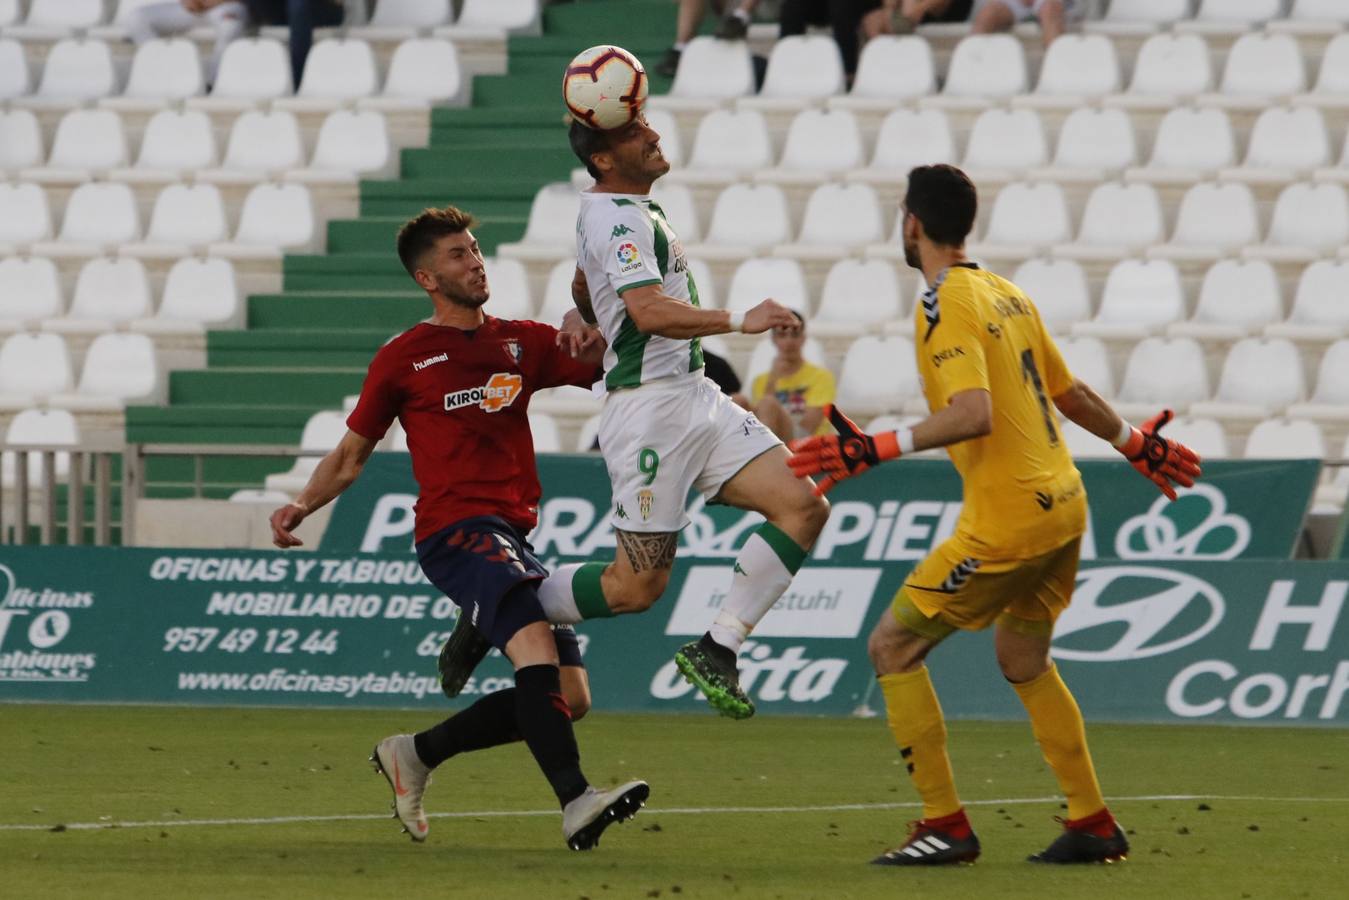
(462, 397)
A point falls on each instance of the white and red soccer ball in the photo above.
(604, 87)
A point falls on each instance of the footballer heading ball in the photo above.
(604, 87)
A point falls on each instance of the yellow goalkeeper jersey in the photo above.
(1022, 494)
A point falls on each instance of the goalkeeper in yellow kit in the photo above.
(993, 378)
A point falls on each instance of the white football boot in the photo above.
(585, 818)
(396, 759)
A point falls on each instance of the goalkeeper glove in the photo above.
(1162, 461)
(849, 453)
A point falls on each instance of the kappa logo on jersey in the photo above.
(619, 231)
(629, 260)
(499, 392)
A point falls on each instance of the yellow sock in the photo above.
(920, 731)
(1057, 723)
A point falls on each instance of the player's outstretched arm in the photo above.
(656, 313)
(334, 474)
(1164, 462)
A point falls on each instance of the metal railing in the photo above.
(87, 465)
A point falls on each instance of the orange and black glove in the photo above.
(1164, 462)
(836, 457)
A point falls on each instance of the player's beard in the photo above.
(464, 296)
(911, 254)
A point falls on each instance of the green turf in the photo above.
(68, 765)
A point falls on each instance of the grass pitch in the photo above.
(173, 802)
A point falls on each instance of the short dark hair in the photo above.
(585, 143)
(418, 235)
(944, 200)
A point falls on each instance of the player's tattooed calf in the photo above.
(649, 551)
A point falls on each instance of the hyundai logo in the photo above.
(1153, 611)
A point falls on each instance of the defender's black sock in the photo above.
(489, 722)
(544, 720)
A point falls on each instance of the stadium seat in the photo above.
(557, 297)
(322, 432)
(260, 496)
(20, 140)
(1191, 144)
(911, 138)
(729, 143)
(1214, 219)
(1139, 16)
(1088, 360)
(746, 218)
(839, 218)
(350, 144)
(1286, 439)
(762, 357)
(1320, 307)
(1140, 297)
(1332, 80)
(198, 292)
(86, 139)
(511, 297)
(664, 123)
(589, 434)
(177, 144)
(512, 16)
(162, 71)
(1076, 67)
(99, 217)
(551, 232)
(1309, 220)
(1330, 400)
(1119, 220)
(801, 68)
(819, 143)
(858, 297)
(1058, 288)
(76, 71)
(710, 71)
(987, 66)
(1162, 373)
(1230, 16)
(186, 218)
(1026, 217)
(1286, 143)
(49, 19)
(422, 72)
(1093, 144)
(117, 30)
(543, 428)
(274, 218)
(890, 70)
(870, 382)
(1332, 11)
(336, 71)
(32, 368)
(1260, 377)
(31, 292)
(757, 279)
(708, 298)
(10, 12)
(676, 201)
(1005, 139)
(1082, 444)
(24, 215)
(394, 19)
(1168, 66)
(39, 428)
(15, 79)
(252, 70)
(1237, 299)
(108, 292)
(1207, 437)
(1262, 65)
(261, 144)
(118, 369)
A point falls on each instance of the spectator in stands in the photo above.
(902, 16)
(302, 17)
(1002, 15)
(791, 396)
(844, 17)
(734, 26)
(229, 18)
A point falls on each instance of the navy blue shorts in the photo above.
(485, 565)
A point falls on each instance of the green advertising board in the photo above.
(1240, 510)
(1233, 641)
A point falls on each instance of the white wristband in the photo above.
(1125, 432)
(737, 321)
(904, 437)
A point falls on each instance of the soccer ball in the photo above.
(604, 87)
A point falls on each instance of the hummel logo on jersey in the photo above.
(499, 392)
(1045, 500)
(430, 361)
(739, 569)
(619, 231)
(959, 575)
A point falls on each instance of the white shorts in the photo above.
(1029, 9)
(661, 439)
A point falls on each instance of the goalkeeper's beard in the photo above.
(911, 254)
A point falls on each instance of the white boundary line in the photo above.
(671, 811)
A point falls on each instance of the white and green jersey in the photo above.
(624, 241)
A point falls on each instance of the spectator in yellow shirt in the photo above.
(791, 396)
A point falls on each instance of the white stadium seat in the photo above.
(33, 367)
(184, 216)
(1286, 439)
(423, 71)
(15, 79)
(1309, 220)
(713, 70)
(676, 201)
(1078, 66)
(911, 138)
(1237, 298)
(31, 292)
(589, 434)
(504, 15)
(20, 140)
(1006, 139)
(1171, 65)
(197, 292)
(1082, 444)
(1319, 11)
(1238, 12)
(1140, 297)
(1119, 220)
(251, 70)
(336, 70)
(85, 139)
(350, 143)
(323, 431)
(98, 215)
(40, 428)
(878, 376)
(891, 69)
(1089, 361)
(54, 18)
(1095, 141)
(1320, 306)
(118, 369)
(552, 216)
(1213, 219)
(1285, 142)
(511, 297)
(748, 217)
(821, 141)
(1264, 65)
(1205, 437)
(557, 297)
(987, 65)
(274, 217)
(405, 16)
(1028, 215)
(24, 214)
(10, 12)
(1139, 16)
(543, 428)
(260, 143)
(1330, 399)
(108, 292)
(1333, 76)
(731, 142)
(1162, 373)
(1058, 288)
(76, 71)
(1190, 143)
(758, 279)
(164, 70)
(838, 218)
(803, 68)
(176, 143)
(1260, 377)
(857, 297)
